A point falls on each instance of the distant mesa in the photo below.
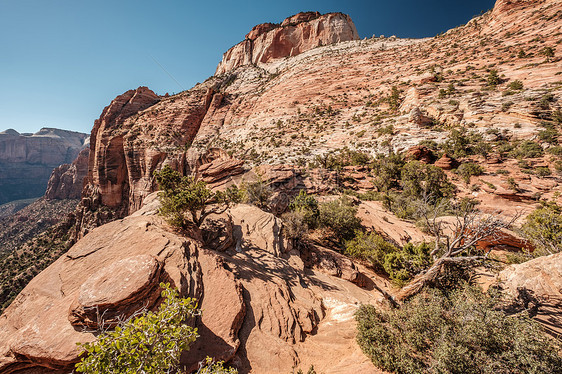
(296, 34)
(27, 160)
(10, 132)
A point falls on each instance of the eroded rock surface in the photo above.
(537, 285)
(296, 34)
(67, 180)
(260, 303)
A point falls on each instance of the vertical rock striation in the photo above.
(296, 34)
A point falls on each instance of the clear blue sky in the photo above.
(62, 61)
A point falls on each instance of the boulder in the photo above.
(446, 162)
(260, 308)
(420, 153)
(536, 285)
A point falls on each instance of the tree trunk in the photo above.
(420, 281)
(430, 276)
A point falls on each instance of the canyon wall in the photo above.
(329, 97)
(27, 160)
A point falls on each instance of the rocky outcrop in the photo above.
(260, 307)
(505, 240)
(295, 35)
(420, 153)
(536, 285)
(107, 166)
(216, 167)
(446, 162)
(27, 160)
(67, 180)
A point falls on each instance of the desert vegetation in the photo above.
(460, 330)
(148, 342)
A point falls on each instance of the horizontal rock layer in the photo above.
(27, 160)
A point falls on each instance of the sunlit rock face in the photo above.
(295, 35)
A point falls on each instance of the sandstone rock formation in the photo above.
(537, 285)
(107, 166)
(420, 153)
(295, 35)
(332, 96)
(261, 306)
(67, 180)
(446, 162)
(27, 160)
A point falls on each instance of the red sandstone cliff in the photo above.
(296, 34)
(67, 180)
(326, 96)
(322, 99)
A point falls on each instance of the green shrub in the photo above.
(294, 224)
(336, 160)
(556, 150)
(183, 199)
(548, 52)
(549, 136)
(387, 130)
(462, 143)
(493, 78)
(151, 342)
(401, 264)
(542, 171)
(340, 217)
(544, 227)
(257, 193)
(387, 170)
(307, 206)
(526, 149)
(394, 98)
(213, 367)
(469, 169)
(513, 184)
(557, 116)
(516, 85)
(369, 247)
(421, 180)
(457, 332)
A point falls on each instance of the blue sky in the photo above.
(62, 61)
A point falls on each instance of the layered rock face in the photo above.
(333, 96)
(262, 308)
(67, 180)
(295, 35)
(27, 160)
(107, 166)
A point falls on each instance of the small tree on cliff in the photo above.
(148, 342)
(186, 201)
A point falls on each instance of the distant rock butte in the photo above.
(295, 35)
(27, 160)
